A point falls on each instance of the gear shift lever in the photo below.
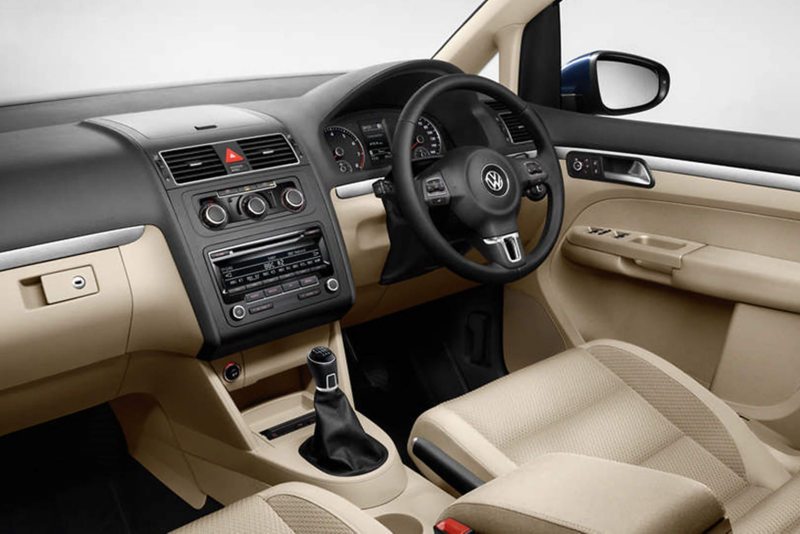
(339, 445)
(324, 369)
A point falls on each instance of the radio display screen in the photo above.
(260, 267)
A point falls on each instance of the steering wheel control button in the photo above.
(79, 282)
(238, 312)
(293, 199)
(231, 372)
(435, 191)
(495, 180)
(332, 285)
(213, 215)
(254, 205)
(533, 167)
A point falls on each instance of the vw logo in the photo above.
(495, 180)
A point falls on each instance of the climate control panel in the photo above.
(249, 203)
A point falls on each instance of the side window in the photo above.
(732, 64)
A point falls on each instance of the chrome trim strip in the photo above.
(226, 175)
(68, 247)
(356, 189)
(706, 170)
(501, 240)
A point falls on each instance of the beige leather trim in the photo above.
(43, 400)
(38, 339)
(557, 493)
(529, 334)
(333, 504)
(414, 510)
(762, 469)
(497, 25)
(363, 223)
(163, 318)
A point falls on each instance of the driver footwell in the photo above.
(402, 364)
(74, 475)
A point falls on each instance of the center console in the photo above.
(263, 255)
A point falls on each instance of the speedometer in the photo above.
(346, 148)
(427, 140)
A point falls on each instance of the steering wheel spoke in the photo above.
(531, 175)
(505, 250)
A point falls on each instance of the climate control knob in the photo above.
(213, 215)
(293, 199)
(254, 205)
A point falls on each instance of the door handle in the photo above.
(609, 168)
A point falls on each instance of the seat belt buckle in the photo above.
(451, 526)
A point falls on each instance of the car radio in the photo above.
(273, 275)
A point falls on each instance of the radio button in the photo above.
(250, 297)
(308, 294)
(260, 308)
(332, 285)
(290, 286)
(309, 281)
(237, 290)
(254, 285)
(273, 291)
(237, 312)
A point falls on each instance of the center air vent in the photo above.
(268, 151)
(194, 163)
(511, 122)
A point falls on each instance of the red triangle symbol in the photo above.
(232, 157)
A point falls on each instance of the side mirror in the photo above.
(613, 83)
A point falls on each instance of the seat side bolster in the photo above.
(332, 504)
(761, 467)
(462, 442)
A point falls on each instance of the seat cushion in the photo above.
(292, 508)
(610, 400)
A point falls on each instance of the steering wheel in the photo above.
(482, 188)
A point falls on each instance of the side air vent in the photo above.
(268, 152)
(194, 163)
(511, 122)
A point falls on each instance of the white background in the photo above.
(732, 62)
(60, 47)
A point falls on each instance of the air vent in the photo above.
(268, 151)
(511, 122)
(193, 164)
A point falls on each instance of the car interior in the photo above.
(401, 299)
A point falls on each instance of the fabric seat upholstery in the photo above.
(613, 400)
(291, 508)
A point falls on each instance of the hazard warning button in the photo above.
(231, 156)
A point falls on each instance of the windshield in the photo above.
(54, 49)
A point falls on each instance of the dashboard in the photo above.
(364, 141)
(238, 182)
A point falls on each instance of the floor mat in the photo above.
(74, 475)
(405, 363)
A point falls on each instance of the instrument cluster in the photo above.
(364, 141)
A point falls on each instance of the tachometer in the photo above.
(346, 148)
(427, 141)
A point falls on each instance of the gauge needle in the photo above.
(414, 146)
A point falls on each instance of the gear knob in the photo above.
(322, 363)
